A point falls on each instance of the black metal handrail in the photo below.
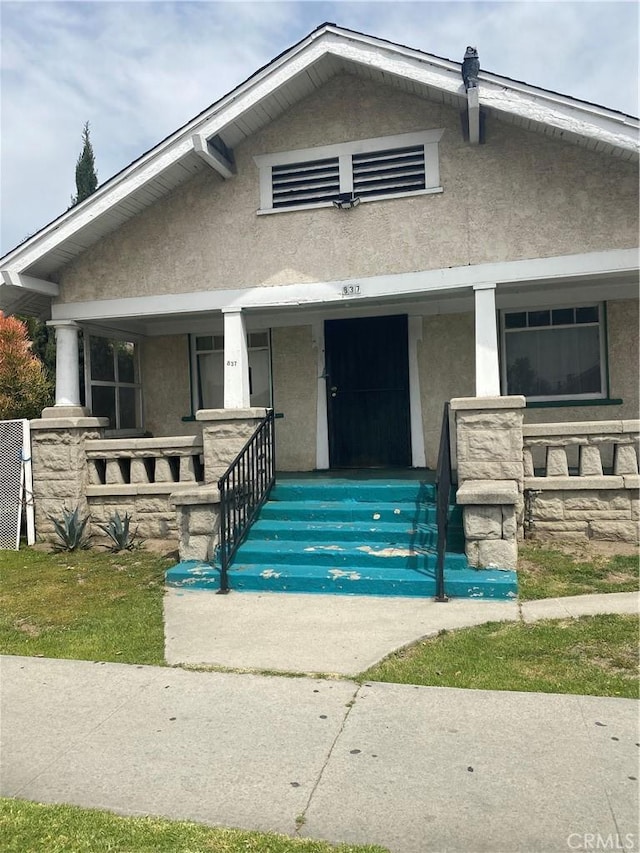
(244, 487)
(443, 494)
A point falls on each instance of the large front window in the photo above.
(554, 353)
(112, 381)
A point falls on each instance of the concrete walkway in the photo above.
(416, 769)
(336, 634)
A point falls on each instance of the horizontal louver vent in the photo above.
(395, 170)
(305, 183)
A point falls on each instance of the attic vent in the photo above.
(305, 183)
(395, 170)
(367, 169)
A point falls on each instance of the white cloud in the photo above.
(137, 71)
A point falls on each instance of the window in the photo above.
(208, 372)
(371, 169)
(112, 380)
(554, 353)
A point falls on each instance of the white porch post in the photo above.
(67, 363)
(487, 369)
(236, 360)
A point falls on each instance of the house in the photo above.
(353, 238)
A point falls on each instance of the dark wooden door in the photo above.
(367, 367)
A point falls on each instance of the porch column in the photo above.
(236, 360)
(487, 369)
(67, 371)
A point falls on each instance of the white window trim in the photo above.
(344, 152)
(194, 352)
(602, 341)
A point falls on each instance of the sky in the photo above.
(136, 71)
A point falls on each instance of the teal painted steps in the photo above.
(354, 537)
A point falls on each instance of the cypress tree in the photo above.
(86, 177)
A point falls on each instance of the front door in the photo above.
(367, 369)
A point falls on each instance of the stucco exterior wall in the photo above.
(520, 195)
(446, 363)
(295, 396)
(166, 394)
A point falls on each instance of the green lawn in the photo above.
(86, 605)
(33, 828)
(545, 572)
(593, 655)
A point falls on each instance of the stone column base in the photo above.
(224, 434)
(198, 512)
(60, 475)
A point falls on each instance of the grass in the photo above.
(33, 828)
(86, 605)
(550, 572)
(593, 655)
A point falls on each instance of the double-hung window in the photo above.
(112, 381)
(369, 169)
(554, 353)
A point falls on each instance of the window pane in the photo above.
(204, 342)
(257, 340)
(516, 321)
(539, 318)
(554, 362)
(562, 317)
(259, 371)
(103, 403)
(128, 408)
(126, 363)
(102, 367)
(211, 380)
(587, 315)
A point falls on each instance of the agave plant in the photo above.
(71, 531)
(119, 531)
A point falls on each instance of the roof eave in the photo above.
(498, 93)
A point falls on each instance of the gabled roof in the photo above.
(207, 139)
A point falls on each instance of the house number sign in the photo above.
(351, 290)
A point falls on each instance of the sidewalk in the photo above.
(336, 634)
(416, 769)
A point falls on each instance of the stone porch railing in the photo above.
(139, 476)
(166, 484)
(144, 461)
(581, 480)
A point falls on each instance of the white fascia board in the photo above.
(93, 207)
(571, 118)
(526, 272)
(28, 282)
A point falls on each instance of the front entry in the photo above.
(367, 375)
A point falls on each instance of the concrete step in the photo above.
(422, 535)
(371, 491)
(339, 554)
(385, 581)
(343, 511)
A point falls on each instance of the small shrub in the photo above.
(119, 531)
(71, 531)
